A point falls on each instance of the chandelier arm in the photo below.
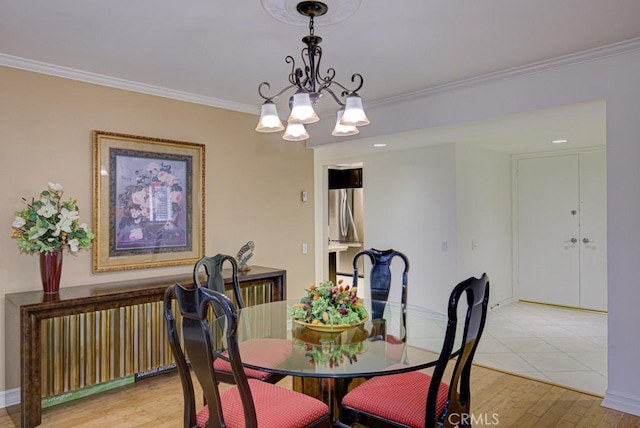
(274, 96)
(347, 91)
(296, 73)
(331, 72)
(335, 97)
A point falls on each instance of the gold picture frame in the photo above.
(148, 202)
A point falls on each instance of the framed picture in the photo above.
(148, 208)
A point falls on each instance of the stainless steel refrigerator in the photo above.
(346, 225)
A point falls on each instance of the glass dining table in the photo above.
(326, 363)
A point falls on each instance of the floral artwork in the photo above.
(50, 223)
(151, 204)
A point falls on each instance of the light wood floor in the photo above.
(515, 401)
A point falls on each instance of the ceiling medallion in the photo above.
(286, 11)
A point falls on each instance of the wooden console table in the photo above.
(26, 313)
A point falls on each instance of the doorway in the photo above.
(561, 227)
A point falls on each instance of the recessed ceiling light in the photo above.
(380, 145)
(559, 141)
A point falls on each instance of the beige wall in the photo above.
(253, 181)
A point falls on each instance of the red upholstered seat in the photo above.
(395, 404)
(276, 407)
(264, 352)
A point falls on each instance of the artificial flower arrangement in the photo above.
(329, 304)
(49, 223)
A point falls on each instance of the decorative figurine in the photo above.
(245, 253)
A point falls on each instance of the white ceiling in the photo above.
(219, 51)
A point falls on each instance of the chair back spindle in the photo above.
(380, 279)
(214, 280)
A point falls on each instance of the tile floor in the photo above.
(564, 346)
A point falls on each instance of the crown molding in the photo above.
(127, 85)
(595, 54)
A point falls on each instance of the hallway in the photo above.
(563, 346)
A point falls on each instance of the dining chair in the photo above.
(273, 349)
(249, 403)
(380, 287)
(415, 399)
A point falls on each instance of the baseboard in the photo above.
(9, 397)
(503, 302)
(622, 402)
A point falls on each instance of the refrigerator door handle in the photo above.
(343, 215)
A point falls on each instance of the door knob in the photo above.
(586, 240)
(572, 240)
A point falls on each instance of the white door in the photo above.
(562, 230)
(548, 230)
(593, 234)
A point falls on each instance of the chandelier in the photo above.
(311, 86)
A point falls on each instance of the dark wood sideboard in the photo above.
(27, 312)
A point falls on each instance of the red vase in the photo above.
(50, 270)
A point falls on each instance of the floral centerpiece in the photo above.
(48, 224)
(330, 305)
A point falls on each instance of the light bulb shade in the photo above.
(343, 130)
(295, 132)
(269, 120)
(353, 112)
(301, 111)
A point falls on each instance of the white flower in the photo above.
(18, 222)
(135, 234)
(66, 220)
(38, 234)
(47, 210)
(56, 187)
(73, 245)
(83, 226)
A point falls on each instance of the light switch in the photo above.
(304, 196)
(304, 248)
